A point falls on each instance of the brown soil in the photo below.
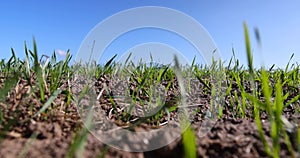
(51, 134)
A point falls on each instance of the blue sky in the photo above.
(63, 25)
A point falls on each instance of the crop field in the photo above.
(45, 107)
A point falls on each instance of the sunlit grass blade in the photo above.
(255, 101)
(266, 91)
(288, 144)
(189, 143)
(276, 125)
(293, 100)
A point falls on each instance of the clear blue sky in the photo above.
(63, 25)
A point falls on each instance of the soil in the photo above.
(51, 133)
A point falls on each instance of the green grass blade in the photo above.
(266, 91)
(248, 50)
(254, 100)
(48, 103)
(77, 147)
(189, 143)
(127, 59)
(9, 83)
(288, 64)
(293, 100)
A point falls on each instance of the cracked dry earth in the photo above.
(51, 134)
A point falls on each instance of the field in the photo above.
(45, 108)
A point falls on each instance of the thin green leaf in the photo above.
(48, 103)
(189, 143)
